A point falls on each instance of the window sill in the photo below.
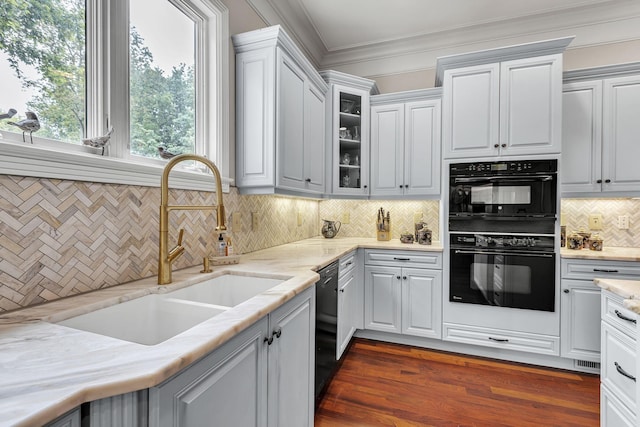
(29, 160)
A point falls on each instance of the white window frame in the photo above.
(108, 97)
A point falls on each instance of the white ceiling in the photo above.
(381, 37)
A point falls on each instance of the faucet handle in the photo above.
(180, 236)
(177, 249)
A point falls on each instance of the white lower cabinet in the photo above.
(580, 304)
(403, 299)
(261, 377)
(349, 301)
(618, 385)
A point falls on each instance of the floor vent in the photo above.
(587, 365)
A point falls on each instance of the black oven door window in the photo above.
(517, 280)
(503, 196)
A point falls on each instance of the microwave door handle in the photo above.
(540, 255)
(536, 178)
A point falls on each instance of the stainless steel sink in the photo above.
(152, 319)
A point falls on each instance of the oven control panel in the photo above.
(502, 241)
(503, 168)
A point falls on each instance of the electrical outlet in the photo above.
(255, 221)
(236, 221)
(595, 221)
(417, 217)
(623, 222)
(346, 218)
(299, 218)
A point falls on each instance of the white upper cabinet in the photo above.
(280, 116)
(405, 144)
(600, 131)
(347, 133)
(503, 102)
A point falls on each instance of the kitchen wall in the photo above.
(363, 214)
(575, 215)
(61, 238)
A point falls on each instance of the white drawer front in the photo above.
(613, 412)
(347, 263)
(403, 258)
(508, 340)
(618, 369)
(614, 313)
(590, 269)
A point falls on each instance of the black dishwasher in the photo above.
(326, 327)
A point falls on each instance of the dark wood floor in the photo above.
(381, 384)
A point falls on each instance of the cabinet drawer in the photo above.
(613, 412)
(615, 314)
(508, 340)
(346, 264)
(618, 369)
(590, 269)
(403, 258)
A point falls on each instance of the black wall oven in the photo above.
(502, 221)
(515, 271)
(503, 196)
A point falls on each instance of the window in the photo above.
(158, 79)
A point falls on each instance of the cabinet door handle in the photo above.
(623, 317)
(276, 333)
(607, 181)
(623, 372)
(566, 291)
(599, 181)
(496, 145)
(499, 339)
(604, 270)
(401, 259)
(307, 180)
(503, 145)
(268, 340)
(348, 264)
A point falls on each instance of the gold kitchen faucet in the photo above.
(166, 256)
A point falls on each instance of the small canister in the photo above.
(586, 236)
(424, 236)
(596, 243)
(563, 236)
(575, 241)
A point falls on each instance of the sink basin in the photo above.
(227, 290)
(148, 320)
(152, 319)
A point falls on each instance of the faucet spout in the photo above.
(166, 256)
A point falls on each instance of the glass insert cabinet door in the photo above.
(350, 141)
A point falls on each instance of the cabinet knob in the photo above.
(307, 180)
(342, 290)
(401, 185)
(406, 186)
(599, 181)
(607, 181)
(268, 340)
(364, 186)
(404, 277)
(566, 291)
(398, 277)
(276, 333)
(504, 145)
(496, 145)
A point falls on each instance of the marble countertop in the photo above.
(627, 289)
(48, 369)
(607, 254)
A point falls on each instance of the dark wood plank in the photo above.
(382, 384)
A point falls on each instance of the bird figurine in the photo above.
(164, 153)
(30, 124)
(12, 112)
(99, 141)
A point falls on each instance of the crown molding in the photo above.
(593, 25)
(618, 70)
(406, 96)
(337, 77)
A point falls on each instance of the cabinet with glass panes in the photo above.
(348, 134)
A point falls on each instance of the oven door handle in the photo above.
(532, 178)
(540, 255)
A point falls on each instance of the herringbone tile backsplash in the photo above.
(60, 238)
(575, 215)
